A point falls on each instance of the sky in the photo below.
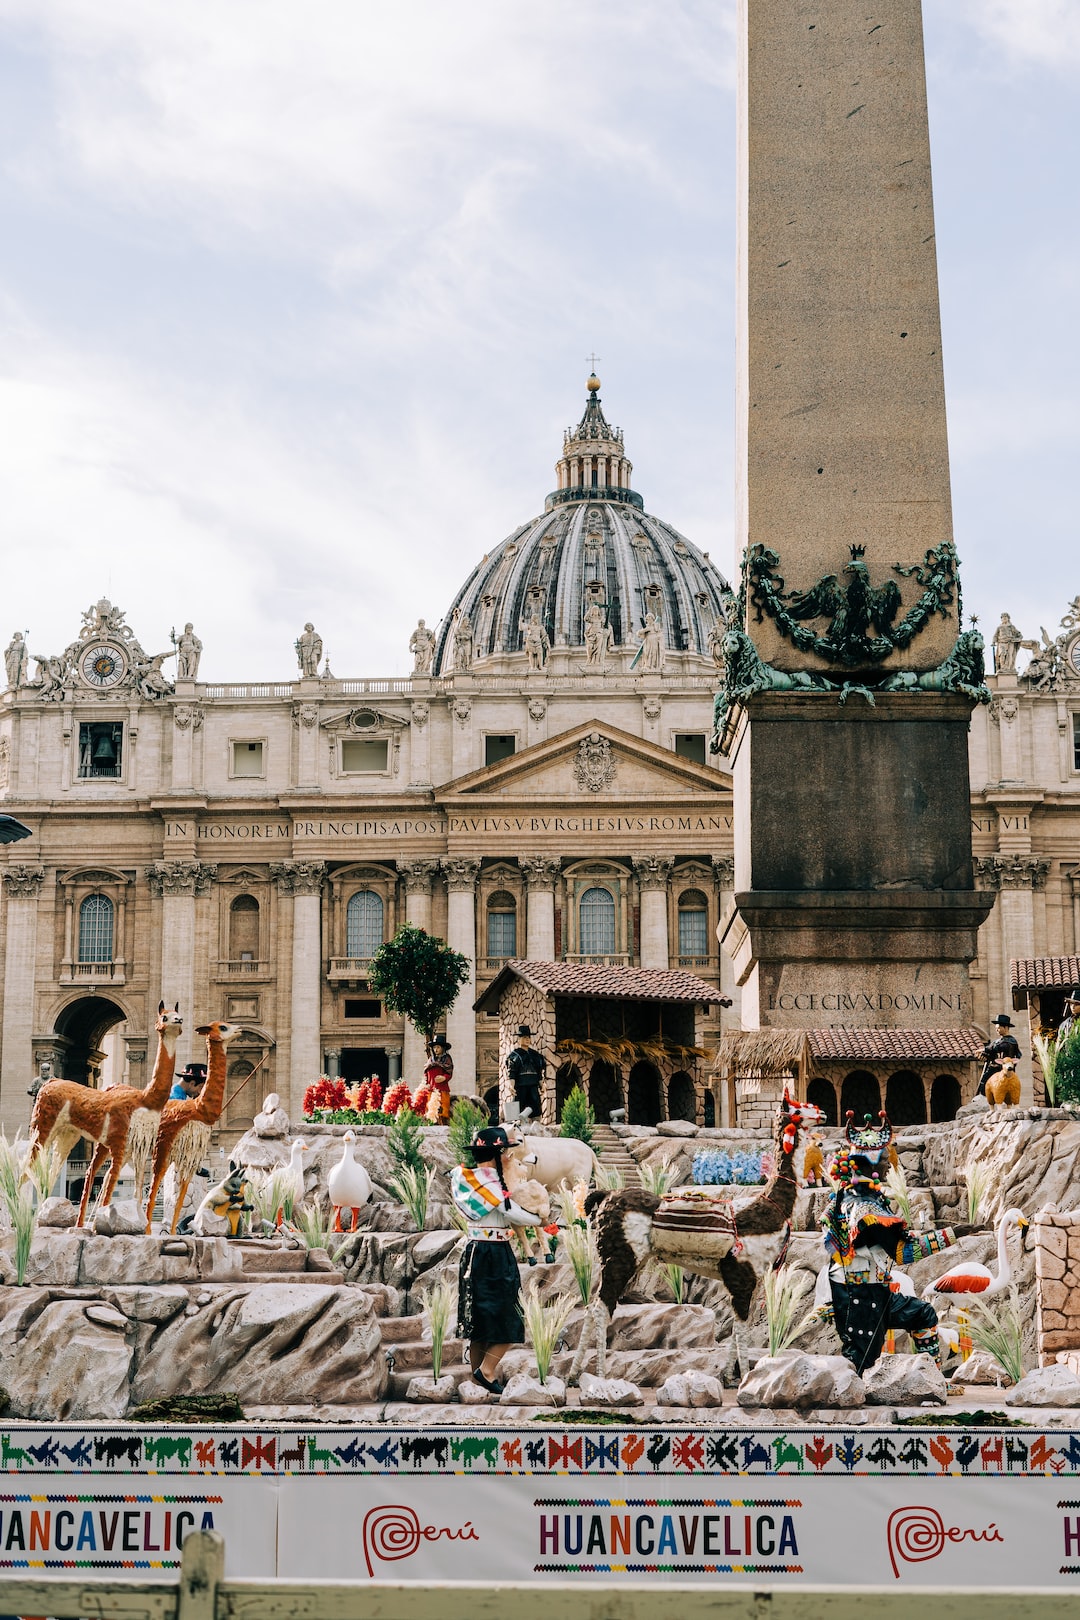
(296, 300)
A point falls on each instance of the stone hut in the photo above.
(1040, 984)
(632, 1038)
(916, 1075)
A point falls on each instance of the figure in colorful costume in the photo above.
(865, 1240)
(489, 1286)
(439, 1073)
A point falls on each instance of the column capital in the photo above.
(418, 874)
(460, 872)
(180, 877)
(24, 882)
(724, 871)
(1011, 871)
(540, 871)
(299, 877)
(652, 871)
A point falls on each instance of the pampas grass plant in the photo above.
(896, 1185)
(609, 1178)
(579, 1246)
(437, 1307)
(976, 1180)
(784, 1289)
(11, 1171)
(44, 1171)
(544, 1325)
(656, 1178)
(267, 1191)
(999, 1331)
(313, 1227)
(412, 1188)
(23, 1213)
(675, 1279)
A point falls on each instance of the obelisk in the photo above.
(850, 680)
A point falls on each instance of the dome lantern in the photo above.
(593, 465)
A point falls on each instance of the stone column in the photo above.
(418, 875)
(22, 886)
(304, 881)
(652, 873)
(419, 739)
(460, 871)
(306, 720)
(177, 882)
(1017, 878)
(541, 874)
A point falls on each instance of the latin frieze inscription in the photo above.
(605, 827)
(860, 1002)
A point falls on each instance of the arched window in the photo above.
(244, 929)
(96, 917)
(502, 924)
(363, 924)
(693, 923)
(597, 915)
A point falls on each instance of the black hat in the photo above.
(523, 1029)
(1003, 1018)
(194, 1071)
(490, 1140)
(440, 1040)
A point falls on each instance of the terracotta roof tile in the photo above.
(611, 983)
(1045, 972)
(895, 1045)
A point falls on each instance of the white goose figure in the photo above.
(294, 1177)
(970, 1278)
(349, 1183)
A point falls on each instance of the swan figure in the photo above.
(970, 1278)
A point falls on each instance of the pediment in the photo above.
(595, 761)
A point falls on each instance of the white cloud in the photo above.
(1046, 32)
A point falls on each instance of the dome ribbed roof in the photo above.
(592, 545)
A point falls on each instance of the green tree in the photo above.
(419, 976)
(578, 1118)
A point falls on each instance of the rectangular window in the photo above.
(365, 758)
(693, 933)
(101, 749)
(363, 1009)
(496, 748)
(502, 933)
(247, 759)
(1076, 742)
(691, 745)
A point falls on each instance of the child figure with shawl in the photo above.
(866, 1239)
(489, 1287)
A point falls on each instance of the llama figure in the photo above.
(186, 1124)
(1003, 1086)
(64, 1111)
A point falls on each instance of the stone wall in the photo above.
(1057, 1286)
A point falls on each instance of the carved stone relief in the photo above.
(594, 767)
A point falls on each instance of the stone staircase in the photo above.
(403, 1340)
(612, 1152)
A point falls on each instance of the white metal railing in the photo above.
(202, 1593)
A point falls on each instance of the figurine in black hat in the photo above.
(1004, 1045)
(489, 1287)
(526, 1068)
(188, 1083)
(439, 1073)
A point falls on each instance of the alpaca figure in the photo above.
(703, 1234)
(64, 1111)
(1003, 1086)
(186, 1125)
(531, 1195)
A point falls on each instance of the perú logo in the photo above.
(917, 1534)
(394, 1532)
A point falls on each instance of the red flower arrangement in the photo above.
(375, 1095)
(325, 1093)
(421, 1099)
(399, 1096)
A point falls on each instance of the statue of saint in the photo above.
(716, 641)
(16, 659)
(599, 637)
(651, 652)
(188, 653)
(422, 647)
(309, 651)
(535, 640)
(463, 643)
(1006, 644)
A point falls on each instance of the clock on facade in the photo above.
(102, 665)
(1073, 654)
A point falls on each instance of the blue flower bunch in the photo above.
(718, 1167)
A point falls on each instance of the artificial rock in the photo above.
(901, 1380)
(614, 1392)
(795, 1379)
(1046, 1386)
(690, 1389)
(525, 1390)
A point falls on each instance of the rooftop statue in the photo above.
(308, 652)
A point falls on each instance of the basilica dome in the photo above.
(594, 548)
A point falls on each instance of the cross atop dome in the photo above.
(593, 465)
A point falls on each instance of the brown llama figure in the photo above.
(186, 1125)
(64, 1111)
(697, 1231)
(1003, 1086)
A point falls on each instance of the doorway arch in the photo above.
(605, 1090)
(822, 1093)
(567, 1076)
(682, 1097)
(905, 1099)
(860, 1095)
(82, 1027)
(944, 1098)
(643, 1095)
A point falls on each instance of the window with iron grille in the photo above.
(96, 917)
(596, 914)
(363, 924)
(502, 924)
(693, 923)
